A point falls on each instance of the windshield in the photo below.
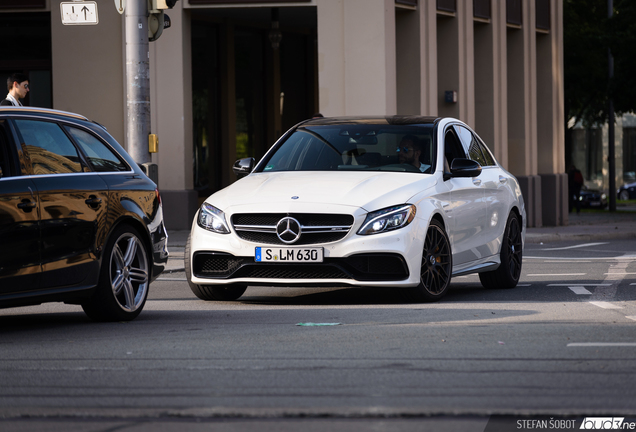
(355, 147)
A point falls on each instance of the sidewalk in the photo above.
(586, 226)
(589, 226)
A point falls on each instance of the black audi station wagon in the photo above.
(80, 222)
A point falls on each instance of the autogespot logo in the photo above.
(605, 423)
(288, 230)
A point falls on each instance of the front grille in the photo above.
(316, 228)
(291, 271)
(362, 267)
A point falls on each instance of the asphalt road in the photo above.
(561, 343)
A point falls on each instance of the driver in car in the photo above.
(409, 152)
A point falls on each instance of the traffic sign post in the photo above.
(79, 13)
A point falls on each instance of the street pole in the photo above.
(137, 81)
(610, 133)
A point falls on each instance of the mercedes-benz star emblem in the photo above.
(288, 230)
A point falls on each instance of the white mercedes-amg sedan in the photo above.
(403, 203)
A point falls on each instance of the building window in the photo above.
(514, 15)
(22, 4)
(406, 2)
(594, 154)
(629, 154)
(446, 6)
(481, 9)
(231, 2)
(542, 8)
(31, 32)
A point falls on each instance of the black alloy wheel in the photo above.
(508, 273)
(436, 267)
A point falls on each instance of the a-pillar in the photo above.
(171, 119)
(356, 57)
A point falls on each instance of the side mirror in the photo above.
(243, 167)
(463, 168)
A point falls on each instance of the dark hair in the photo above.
(415, 141)
(16, 77)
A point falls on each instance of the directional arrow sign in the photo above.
(79, 13)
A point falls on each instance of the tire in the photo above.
(624, 195)
(208, 292)
(124, 278)
(436, 267)
(508, 273)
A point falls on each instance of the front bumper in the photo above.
(390, 259)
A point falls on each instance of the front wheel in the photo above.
(123, 280)
(207, 292)
(508, 273)
(436, 267)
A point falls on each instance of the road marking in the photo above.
(576, 246)
(562, 274)
(602, 344)
(631, 317)
(605, 305)
(614, 276)
(619, 258)
(619, 273)
(578, 284)
(580, 290)
(565, 262)
(524, 285)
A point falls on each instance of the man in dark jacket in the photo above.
(575, 182)
(18, 86)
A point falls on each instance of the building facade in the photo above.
(229, 77)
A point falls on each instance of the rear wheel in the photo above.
(123, 280)
(208, 292)
(624, 195)
(436, 267)
(508, 273)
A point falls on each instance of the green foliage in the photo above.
(588, 34)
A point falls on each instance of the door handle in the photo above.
(476, 182)
(93, 201)
(502, 179)
(27, 205)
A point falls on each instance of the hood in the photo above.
(357, 189)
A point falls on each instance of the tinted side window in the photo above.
(102, 158)
(452, 148)
(50, 150)
(487, 155)
(471, 145)
(5, 156)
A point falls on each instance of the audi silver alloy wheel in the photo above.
(123, 280)
(129, 272)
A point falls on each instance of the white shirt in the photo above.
(13, 100)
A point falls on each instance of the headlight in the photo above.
(388, 219)
(603, 197)
(212, 219)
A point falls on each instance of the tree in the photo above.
(588, 33)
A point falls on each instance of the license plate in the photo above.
(595, 204)
(288, 255)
